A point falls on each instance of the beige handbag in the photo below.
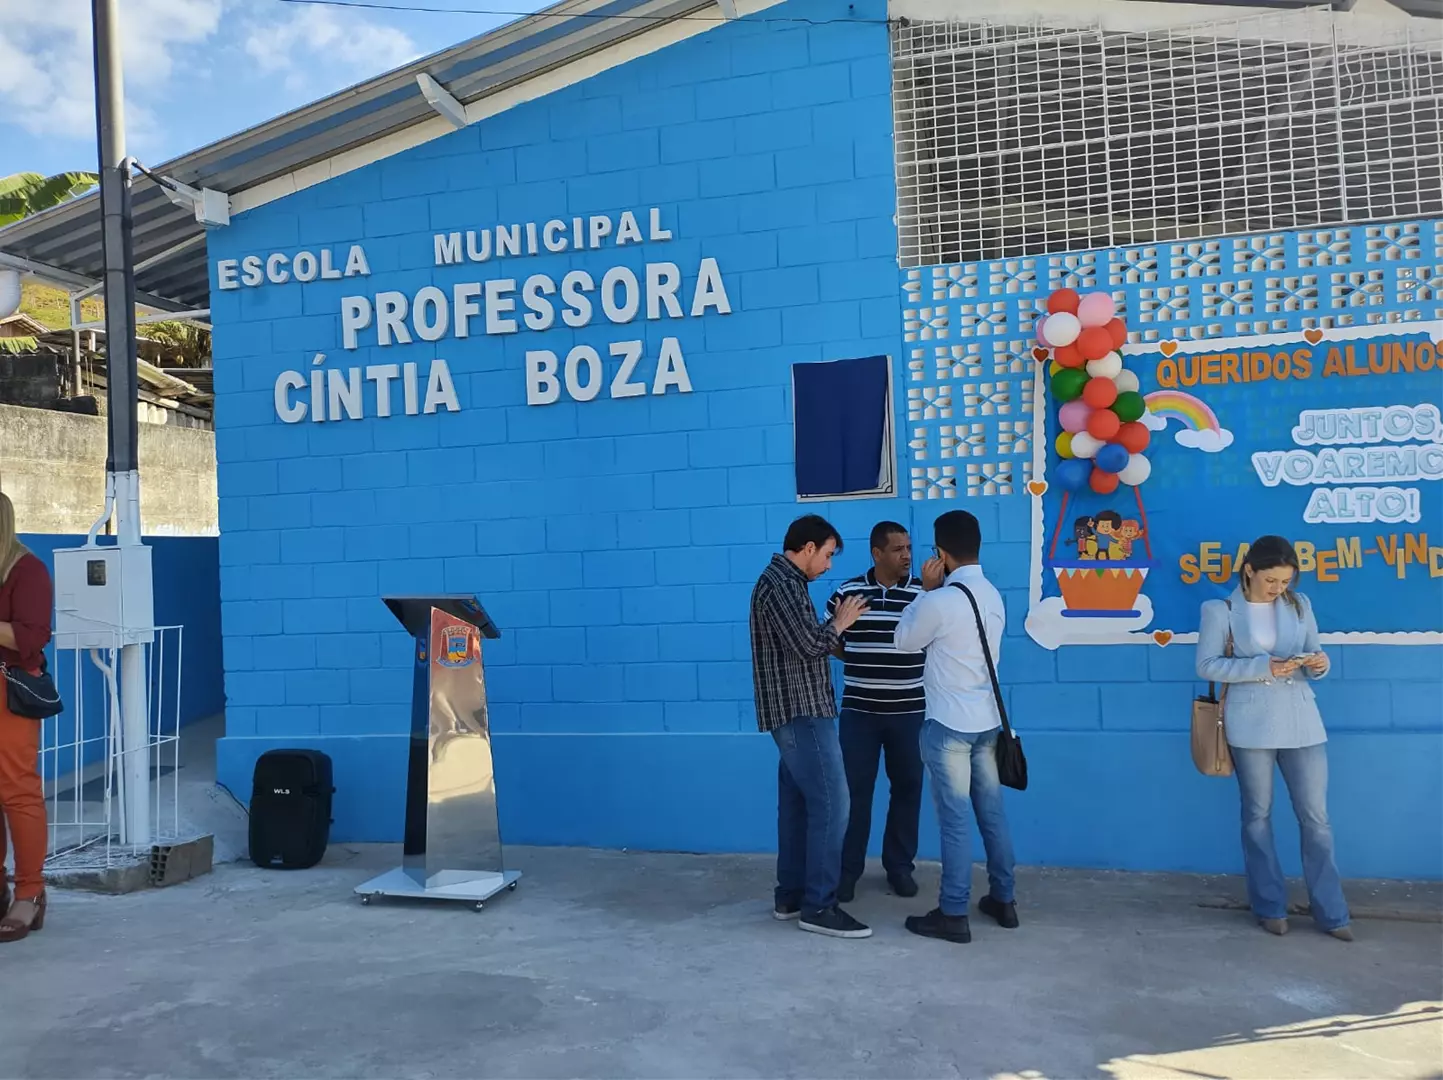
(1210, 751)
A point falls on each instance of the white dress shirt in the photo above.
(959, 690)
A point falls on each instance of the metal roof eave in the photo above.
(66, 239)
(173, 274)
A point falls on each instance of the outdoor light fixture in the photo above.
(211, 207)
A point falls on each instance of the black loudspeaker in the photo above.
(290, 822)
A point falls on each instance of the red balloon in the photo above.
(1100, 393)
(1103, 424)
(1068, 356)
(1094, 343)
(1063, 300)
(1118, 329)
(1102, 481)
(1134, 437)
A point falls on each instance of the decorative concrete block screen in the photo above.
(970, 329)
(1032, 157)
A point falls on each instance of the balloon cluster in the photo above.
(1102, 436)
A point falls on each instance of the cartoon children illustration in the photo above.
(1084, 537)
(1109, 528)
(1127, 534)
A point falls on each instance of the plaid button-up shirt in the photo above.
(791, 666)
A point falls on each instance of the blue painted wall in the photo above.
(616, 541)
(187, 594)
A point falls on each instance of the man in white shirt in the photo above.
(959, 738)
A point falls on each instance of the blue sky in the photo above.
(198, 70)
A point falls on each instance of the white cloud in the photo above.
(46, 72)
(317, 50)
(170, 48)
(1050, 628)
(1208, 441)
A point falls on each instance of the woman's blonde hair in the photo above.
(11, 549)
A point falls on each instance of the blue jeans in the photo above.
(812, 809)
(1305, 771)
(963, 767)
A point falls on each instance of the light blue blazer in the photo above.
(1262, 712)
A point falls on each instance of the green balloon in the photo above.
(1129, 406)
(1067, 384)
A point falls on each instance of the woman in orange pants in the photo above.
(25, 602)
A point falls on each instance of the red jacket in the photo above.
(26, 600)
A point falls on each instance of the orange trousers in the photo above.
(22, 801)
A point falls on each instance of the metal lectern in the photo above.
(453, 839)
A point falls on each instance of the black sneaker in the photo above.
(947, 927)
(1005, 914)
(834, 922)
(846, 891)
(903, 884)
(786, 912)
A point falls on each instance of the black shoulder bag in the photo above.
(1011, 762)
(31, 696)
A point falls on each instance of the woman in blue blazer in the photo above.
(1271, 719)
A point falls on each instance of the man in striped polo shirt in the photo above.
(883, 706)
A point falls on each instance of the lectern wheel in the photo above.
(479, 905)
(512, 887)
(365, 900)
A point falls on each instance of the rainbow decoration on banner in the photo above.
(1194, 414)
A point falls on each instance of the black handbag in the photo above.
(34, 697)
(1011, 762)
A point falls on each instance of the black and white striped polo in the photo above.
(878, 678)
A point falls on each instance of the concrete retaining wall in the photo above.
(52, 464)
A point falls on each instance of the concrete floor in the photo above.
(613, 964)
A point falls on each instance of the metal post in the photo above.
(75, 362)
(122, 391)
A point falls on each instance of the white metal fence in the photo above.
(84, 763)
(1017, 140)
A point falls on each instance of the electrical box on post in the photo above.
(104, 597)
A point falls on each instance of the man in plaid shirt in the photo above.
(792, 676)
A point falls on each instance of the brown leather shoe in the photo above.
(14, 928)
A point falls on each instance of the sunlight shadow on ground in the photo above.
(1374, 1042)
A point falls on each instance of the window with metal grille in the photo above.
(1024, 140)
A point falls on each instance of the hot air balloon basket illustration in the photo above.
(1099, 590)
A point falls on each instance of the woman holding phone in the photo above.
(1262, 643)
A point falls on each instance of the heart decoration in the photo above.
(1162, 637)
(1037, 487)
(1167, 348)
(1040, 354)
(1313, 336)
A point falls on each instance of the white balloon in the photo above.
(1061, 329)
(1126, 380)
(1085, 445)
(1135, 472)
(1109, 367)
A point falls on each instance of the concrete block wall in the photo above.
(52, 464)
(616, 541)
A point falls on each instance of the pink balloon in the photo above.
(1040, 339)
(1096, 309)
(1073, 416)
